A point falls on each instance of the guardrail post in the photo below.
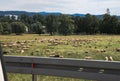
(34, 77)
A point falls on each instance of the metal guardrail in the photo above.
(63, 67)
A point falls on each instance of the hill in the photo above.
(2, 13)
(27, 13)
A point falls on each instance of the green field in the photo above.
(97, 47)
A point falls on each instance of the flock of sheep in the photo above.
(22, 46)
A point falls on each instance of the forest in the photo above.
(62, 24)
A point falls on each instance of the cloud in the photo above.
(64, 6)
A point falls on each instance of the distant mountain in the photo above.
(16, 13)
(77, 14)
(48, 13)
(42, 13)
(27, 13)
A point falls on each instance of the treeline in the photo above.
(59, 24)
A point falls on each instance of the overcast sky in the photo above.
(64, 6)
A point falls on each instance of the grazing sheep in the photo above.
(10, 46)
(111, 59)
(57, 56)
(14, 44)
(22, 51)
(5, 52)
(118, 49)
(101, 50)
(32, 53)
(51, 44)
(88, 58)
(36, 38)
(25, 48)
(18, 42)
(108, 58)
(4, 45)
(47, 50)
(75, 45)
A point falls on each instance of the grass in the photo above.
(80, 46)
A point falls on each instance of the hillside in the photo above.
(32, 13)
(42, 13)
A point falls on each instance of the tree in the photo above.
(39, 18)
(6, 28)
(86, 25)
(52, 24)
(78, 22)
(94, 28)
(118, 28)
(37, 28)
(1, 29)
(66, 25)
(5, 19)
(26, 19)
(108, 11)
(91, 24)
(18, 28)
(114, 24)
(109, 24)
(13, 18)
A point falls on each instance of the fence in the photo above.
(63, 67)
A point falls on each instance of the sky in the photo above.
(95, 7)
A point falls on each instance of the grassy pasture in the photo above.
(96, 47)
